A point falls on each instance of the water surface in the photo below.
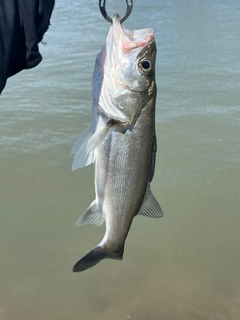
(184, 266)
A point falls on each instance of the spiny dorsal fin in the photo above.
(92, 215)
(150, 207)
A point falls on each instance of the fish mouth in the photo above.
(128, 40)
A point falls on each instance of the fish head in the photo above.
(127, 65)
(131, 56)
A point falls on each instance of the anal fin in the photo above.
(92, 216)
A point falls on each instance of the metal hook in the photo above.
(106, 16)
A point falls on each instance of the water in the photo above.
(184, 266)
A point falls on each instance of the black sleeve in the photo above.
(22, 26)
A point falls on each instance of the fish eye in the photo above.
(145, 65)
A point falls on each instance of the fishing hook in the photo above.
(106, 16)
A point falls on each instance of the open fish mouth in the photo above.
(127, 40)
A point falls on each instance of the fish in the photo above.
(121, 139)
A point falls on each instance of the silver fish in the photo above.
(121, 139)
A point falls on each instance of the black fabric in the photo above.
(22, 26)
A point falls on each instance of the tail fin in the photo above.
(95, 256)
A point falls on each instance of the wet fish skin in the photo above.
(124, 162)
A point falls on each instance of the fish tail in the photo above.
(94, 256)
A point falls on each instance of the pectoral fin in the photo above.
(82, 156)
(87, 142)
(92, 215)
(150, 207)
(98, 136)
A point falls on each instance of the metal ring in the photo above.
(102, 4)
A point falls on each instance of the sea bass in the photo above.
(121, 139)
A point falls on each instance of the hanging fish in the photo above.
(121, 139)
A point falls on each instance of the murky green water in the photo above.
(182, 267)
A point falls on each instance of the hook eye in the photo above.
(102, 4)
